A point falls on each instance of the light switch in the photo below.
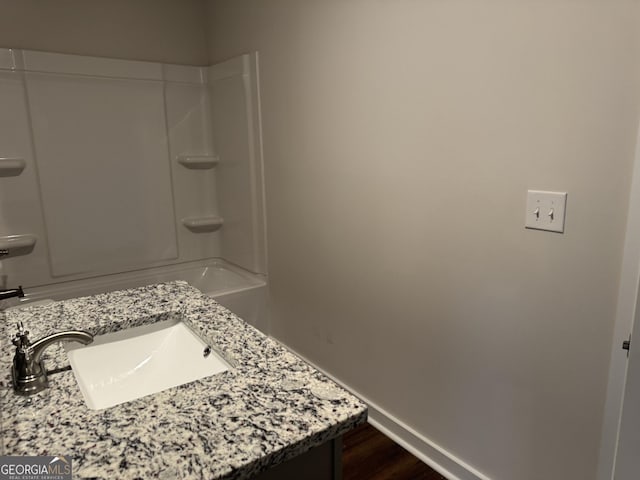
(546, 210)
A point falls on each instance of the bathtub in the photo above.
(242, 292)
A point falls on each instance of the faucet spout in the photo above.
(39, 346)
(12, 292)
(28, 372)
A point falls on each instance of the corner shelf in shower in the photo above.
(11, 166)
(198, 162)
(203, 224)
(15, 245)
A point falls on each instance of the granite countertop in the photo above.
(269, 407)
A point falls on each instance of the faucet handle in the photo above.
(21, 331)
(21, 340)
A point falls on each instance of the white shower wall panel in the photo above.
(119, 170)
(237, 135)
(189, 126)
(20, 203)
(104, 140)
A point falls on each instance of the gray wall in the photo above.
(400, 139)
(171, 31)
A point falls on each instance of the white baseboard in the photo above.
(429, 452)
(442, 461)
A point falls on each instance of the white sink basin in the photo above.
(122, 366)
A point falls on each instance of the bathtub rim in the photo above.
(138, 278)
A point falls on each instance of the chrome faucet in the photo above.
(28, 372)
(12, 292)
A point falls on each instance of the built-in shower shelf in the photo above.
(203, 224)
(11, 166)
(13, 245)
(198, 162)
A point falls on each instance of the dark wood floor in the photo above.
(369, 455)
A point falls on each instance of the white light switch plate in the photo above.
(546, 210)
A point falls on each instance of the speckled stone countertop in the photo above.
(270, 407)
